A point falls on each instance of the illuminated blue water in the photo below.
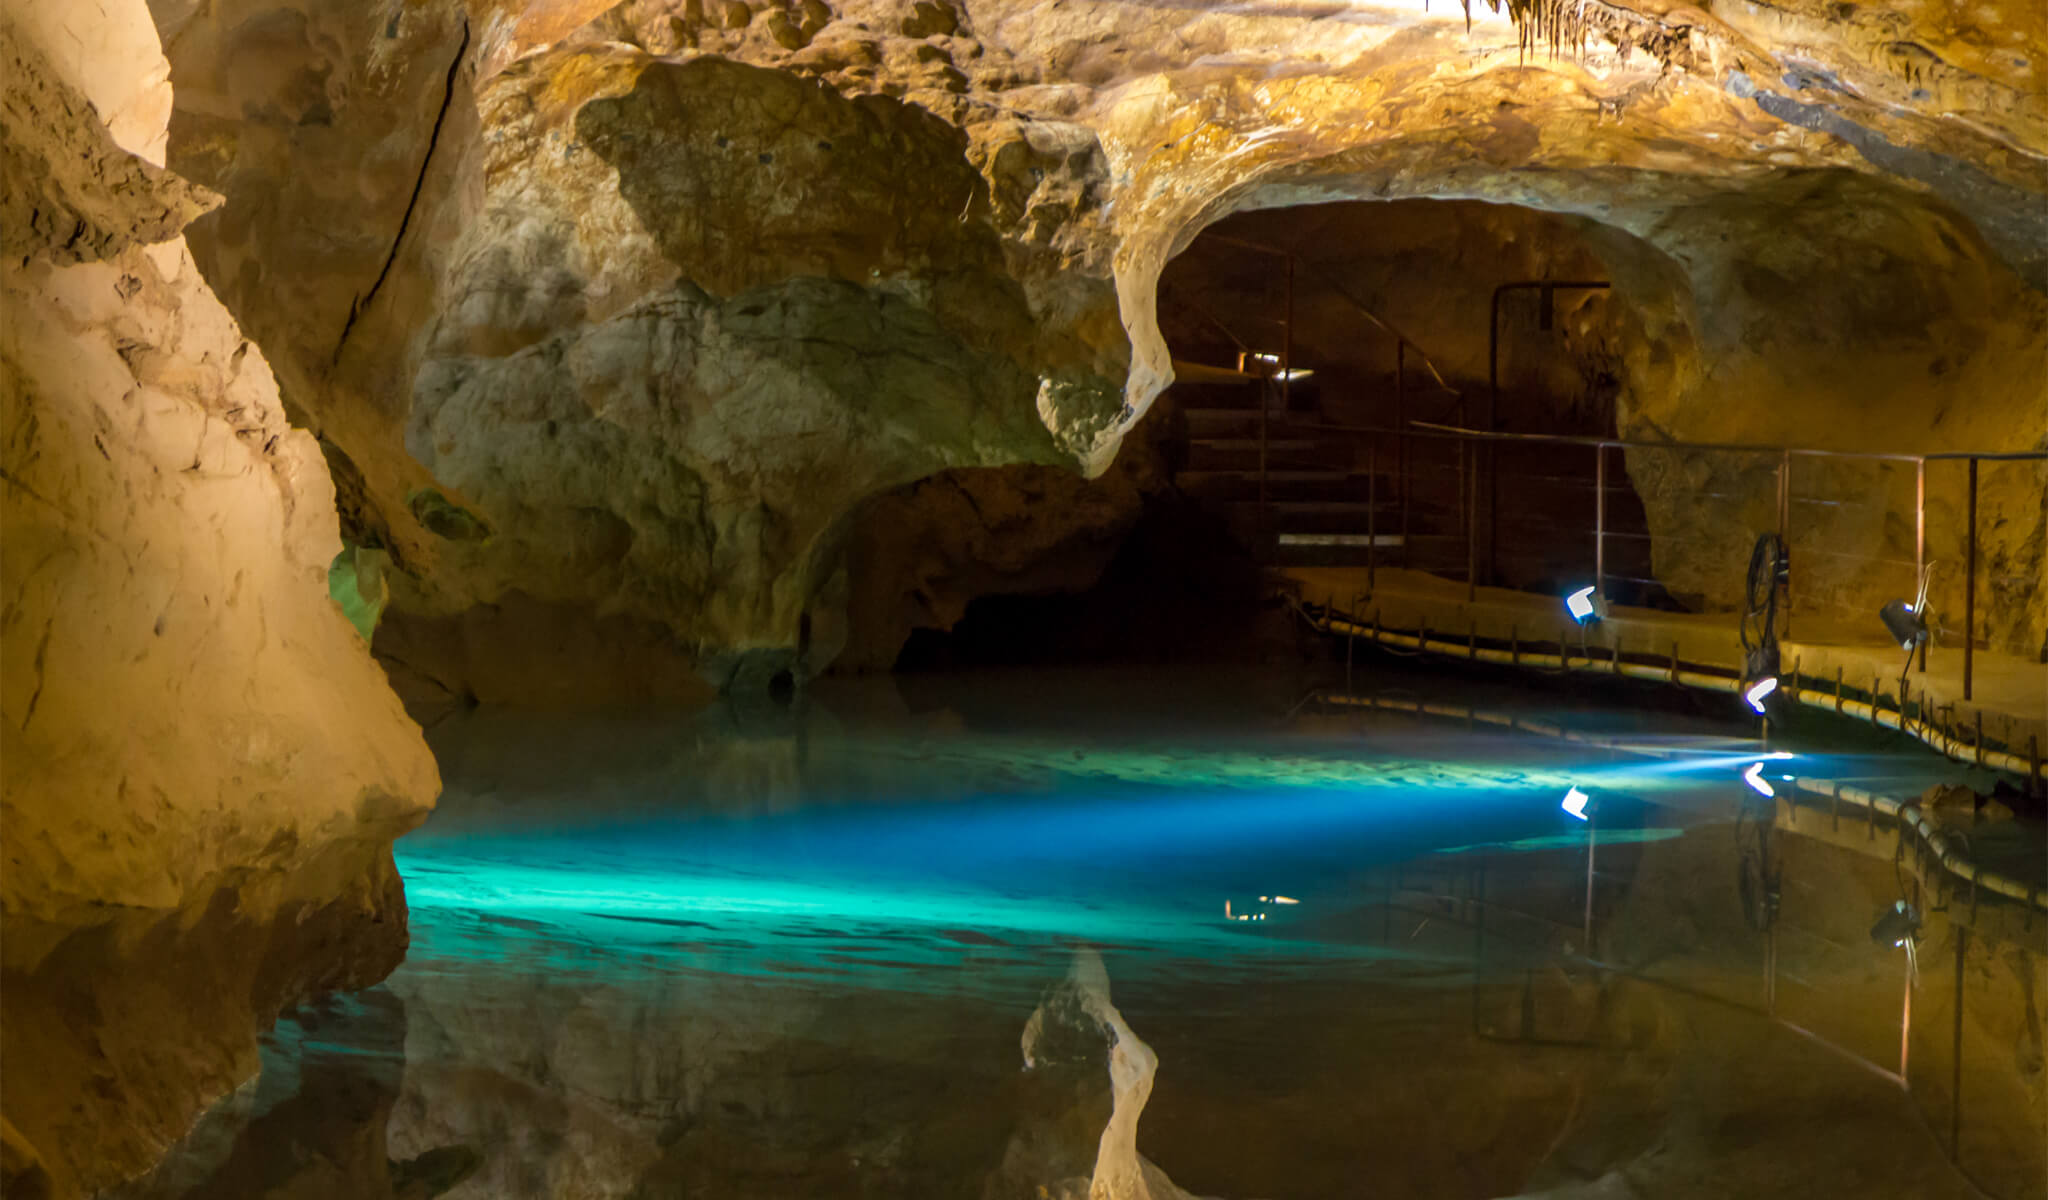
(912, 853)
(751, 953)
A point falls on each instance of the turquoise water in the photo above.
(913, 857)
(746, 952)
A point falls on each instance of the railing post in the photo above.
(1471, 479)
(1407, 550)
(1265, 416)
(1600, 520)
(1970, 583)
(1287, 345)
(1372, 537)
(1920, 543)
(1401, 436)
(1955, 1099)
(1592, 841)
(1906, 1018)
(1785, 528)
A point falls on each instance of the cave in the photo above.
(1023, 598)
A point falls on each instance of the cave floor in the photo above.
(2008, 694)
(791, 953)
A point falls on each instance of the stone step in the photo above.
(1299, 538)
(1273, 444)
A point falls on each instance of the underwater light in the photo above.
(1575, 803)
(1759, 690)
(1585, 606)
(1754, 777)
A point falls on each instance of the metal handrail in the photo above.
(1455, 432)
(1661, 668)
(1785, 455)
(1337, 286)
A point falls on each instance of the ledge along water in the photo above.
(1861, 680)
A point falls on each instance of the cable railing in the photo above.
(1625, 549)
(1480, 522)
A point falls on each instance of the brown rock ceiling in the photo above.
(637, 302)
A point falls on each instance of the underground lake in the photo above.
(876, 944)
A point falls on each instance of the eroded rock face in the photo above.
(627, 305)
(203, 768)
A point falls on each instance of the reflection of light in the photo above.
(1754, 777)
(1575, 803)
(1285, 900)
(1758, 690)
(1780, 755)
(1580, 604)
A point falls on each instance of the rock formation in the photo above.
(203, 768)
(626, 308)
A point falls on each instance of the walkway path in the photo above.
(1827, 664)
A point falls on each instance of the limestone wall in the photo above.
(203, 768)
(626, 306)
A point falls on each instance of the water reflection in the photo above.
(793, 954)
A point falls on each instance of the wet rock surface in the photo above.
(203, 768)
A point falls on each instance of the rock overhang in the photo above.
(611, 159)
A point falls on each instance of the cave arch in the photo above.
(1824, 308)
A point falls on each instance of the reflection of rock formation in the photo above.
(626, 307)
(313, 1126)
(1077, 1037)
(203, 769)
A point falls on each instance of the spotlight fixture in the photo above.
(1760, 669)
(1575, 803)
(1586, 605)
(1907, 623)
(1908, 627)
(1754, 777)
(1897, 926)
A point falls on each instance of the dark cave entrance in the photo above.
(1363, 321)
(1302, 339)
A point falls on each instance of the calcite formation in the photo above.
(203, 768)
(626, 307)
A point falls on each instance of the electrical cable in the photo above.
(1759, 624)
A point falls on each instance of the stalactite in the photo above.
(1563, 26)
